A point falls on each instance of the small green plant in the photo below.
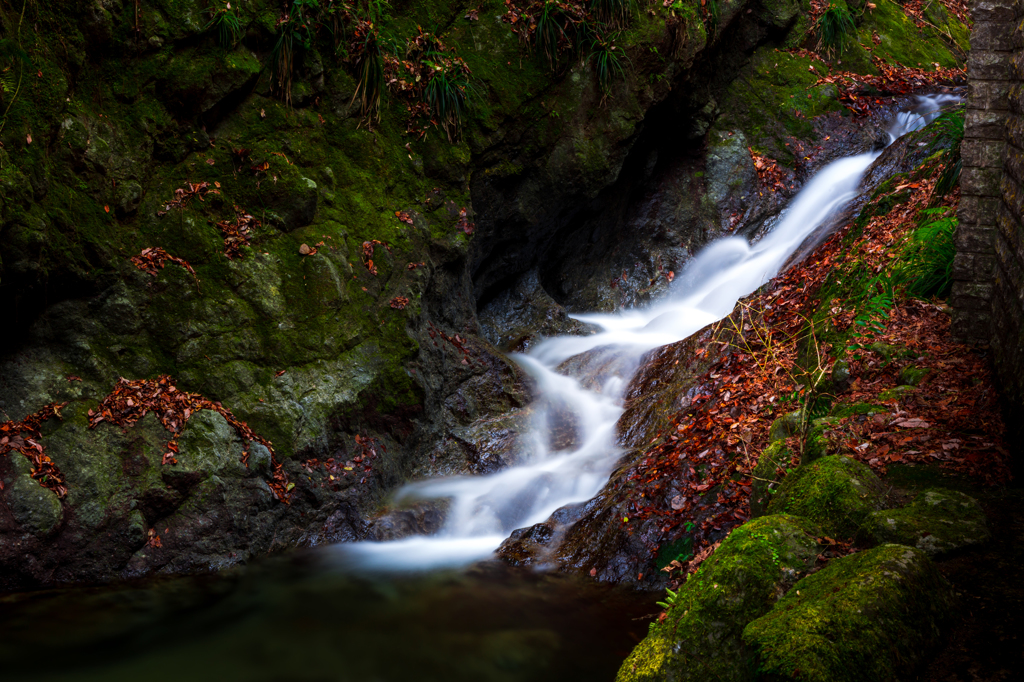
(370, 84)
(226, 24)
(549, 33)
(670, 600)
(447, 96)
(950, 135)
(711, 14)
(872, 318)
(607, 59)
(929, 256)
(834, 28)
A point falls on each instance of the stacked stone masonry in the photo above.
(988, 289)
(990, 74)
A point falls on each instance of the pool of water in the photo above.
(305, 618)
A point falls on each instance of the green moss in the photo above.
(700, 637)
(912, 376)
(836, 492)
(938, 522)
(843, 410)
(866, 617)
(772, 466)
(774, 99)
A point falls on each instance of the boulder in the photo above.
(701, 636)
(868, 616)
(836, 492)
(938, 522)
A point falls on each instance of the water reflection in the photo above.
(304, 619)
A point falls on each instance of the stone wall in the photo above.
(988, 288)
(989, 71)
(1008, 281)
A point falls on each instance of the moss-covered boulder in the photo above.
(772, 466)
(700, 638)
(836, 492)
(869, 616)
(938, 522)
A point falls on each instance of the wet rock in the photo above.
(536, 544)
(701, 638)
(731, 177)
(841, 376)
(835, 491)
(35, 508)
(524, 314)
(423, 518)
(872, 615)
(939, 522)
(208, 445)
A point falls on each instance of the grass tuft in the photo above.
(835, 27)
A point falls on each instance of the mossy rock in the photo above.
(854, 409)
(895, 393)
(912, 376)
(869, 616)
(836, 492)
(938, 522)
(700, 637)
(816, 444)
(786, 426)
(33, 507)
(772, 466)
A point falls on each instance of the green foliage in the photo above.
(549, 33)
(607, 59)
(447, 96)
(370, 85)
(226, 24)
(834, 28)
(950, 127)
(873, 314)
(928, 268)
(670, 600)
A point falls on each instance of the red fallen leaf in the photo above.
(210, 161)
(399, 302)
(72, 377)
(107, 209)
(28, 138)
(277, 374)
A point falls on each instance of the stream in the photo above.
(485, 509)
(437, 607)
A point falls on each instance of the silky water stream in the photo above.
(428, 608)
(485, 509)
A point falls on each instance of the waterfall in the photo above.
(485, 509)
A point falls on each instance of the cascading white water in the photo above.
(485, 509)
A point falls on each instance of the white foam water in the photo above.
(485, 509)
